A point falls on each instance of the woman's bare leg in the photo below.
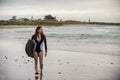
(41, 60)
(35, 61)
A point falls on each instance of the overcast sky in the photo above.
(96, 10)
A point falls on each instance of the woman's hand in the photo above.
(45, 54)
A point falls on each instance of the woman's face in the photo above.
(40, 30)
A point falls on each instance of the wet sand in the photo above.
(58, 65)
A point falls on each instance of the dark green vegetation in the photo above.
(48, 20)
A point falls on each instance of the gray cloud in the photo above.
(108, 10)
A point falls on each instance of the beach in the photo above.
(58, 65)
(93, 56)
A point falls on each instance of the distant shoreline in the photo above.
(45, 25)
(50, 20)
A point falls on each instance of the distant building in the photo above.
(49, 18)
(14, 17)
(31, 18)
(23, 20)
(60, 19)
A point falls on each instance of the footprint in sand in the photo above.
(58, 60)
(19, 65)
(28, 60)
(67, 62)
(5, 57)
(22, 56)
(31, 61)
(16, 60)
(60, 64)
(59, 73)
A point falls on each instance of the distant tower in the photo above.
(89, 20)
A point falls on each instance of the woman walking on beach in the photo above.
(39, 38)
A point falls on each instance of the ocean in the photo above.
(92, 39)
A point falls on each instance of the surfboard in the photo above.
(29, 48)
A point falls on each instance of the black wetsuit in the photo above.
(38, 43)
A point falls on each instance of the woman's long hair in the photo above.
(36, 32)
